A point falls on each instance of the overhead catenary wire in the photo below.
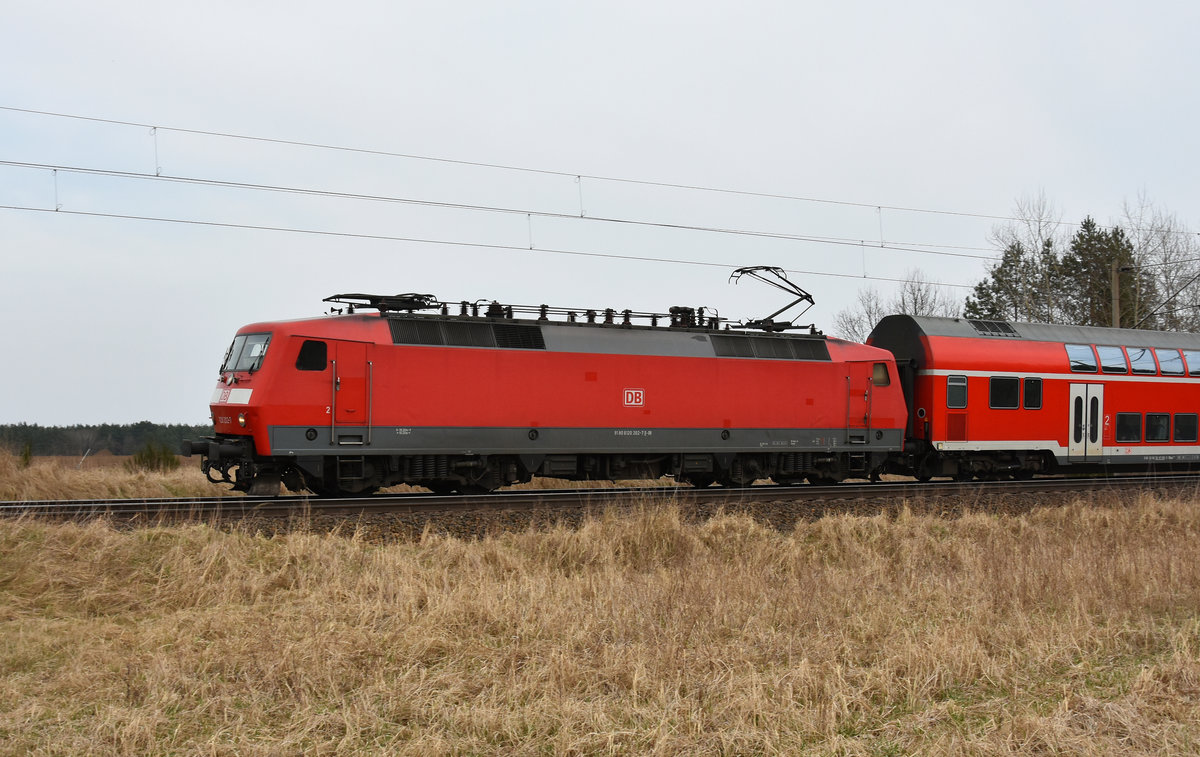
(448, 242)
(546, 172)
(907, 247)
(912, 247)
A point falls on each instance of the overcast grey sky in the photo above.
(862, 108)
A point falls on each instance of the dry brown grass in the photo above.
(1070, 630)
(99, 477)
(105, 476)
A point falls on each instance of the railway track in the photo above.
(819, 499)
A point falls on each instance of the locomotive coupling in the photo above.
(214, 450)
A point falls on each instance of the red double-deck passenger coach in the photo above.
(992, 398)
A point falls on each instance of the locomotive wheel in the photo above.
(926, 466)
(265, 485)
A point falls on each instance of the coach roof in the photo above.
(1035, 332)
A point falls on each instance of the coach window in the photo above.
(1004, 393)
(1083, 359)
(879, 375)
(1129, 427)
(956, 391)
(1033, 394)
(314, 356)
(1193, 362)
(1169, 362)
(1143, 360)
(1158, 427)
(1112, 359)
(1186, 426)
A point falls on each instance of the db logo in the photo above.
(635, 397)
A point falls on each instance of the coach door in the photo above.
(350, 395)
(1087, 422)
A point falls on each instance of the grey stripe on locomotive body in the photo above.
(391, 440)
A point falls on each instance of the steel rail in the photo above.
(548, 499)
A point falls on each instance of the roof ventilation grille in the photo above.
(994, 328)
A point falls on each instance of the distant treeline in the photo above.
(119, 439)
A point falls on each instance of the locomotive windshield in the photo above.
(246, 353)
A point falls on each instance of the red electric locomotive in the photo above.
(420, 394)
(994, 398)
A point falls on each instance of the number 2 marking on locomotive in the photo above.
(327, 409)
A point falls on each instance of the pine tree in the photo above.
(1022, 286)
(1087, 272)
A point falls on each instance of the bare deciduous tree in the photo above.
(916, 296)
(1023, 285)
(1165, 249)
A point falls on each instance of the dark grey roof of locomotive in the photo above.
(901, 334)
(603, 338)
(564, 338)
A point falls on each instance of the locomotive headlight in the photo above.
(242, 420)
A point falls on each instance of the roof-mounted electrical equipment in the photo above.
(678, 317)
(386, 303)
(776, 278)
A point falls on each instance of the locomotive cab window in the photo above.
(879, 375)
(231, 354)
(1158, 427)
(1083, 359)
(247, 352)
(1143, 360)
(1129, 427)
(956, 391)
(1033, 394)
(1004, 393)
(1186, 426)
(1112, 359)
(314, 356)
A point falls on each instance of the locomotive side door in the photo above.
(350, 395)
(1086, 436)
(858, 402)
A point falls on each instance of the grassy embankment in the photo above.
(106, 476)
(1065, 630)
(98, 476)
